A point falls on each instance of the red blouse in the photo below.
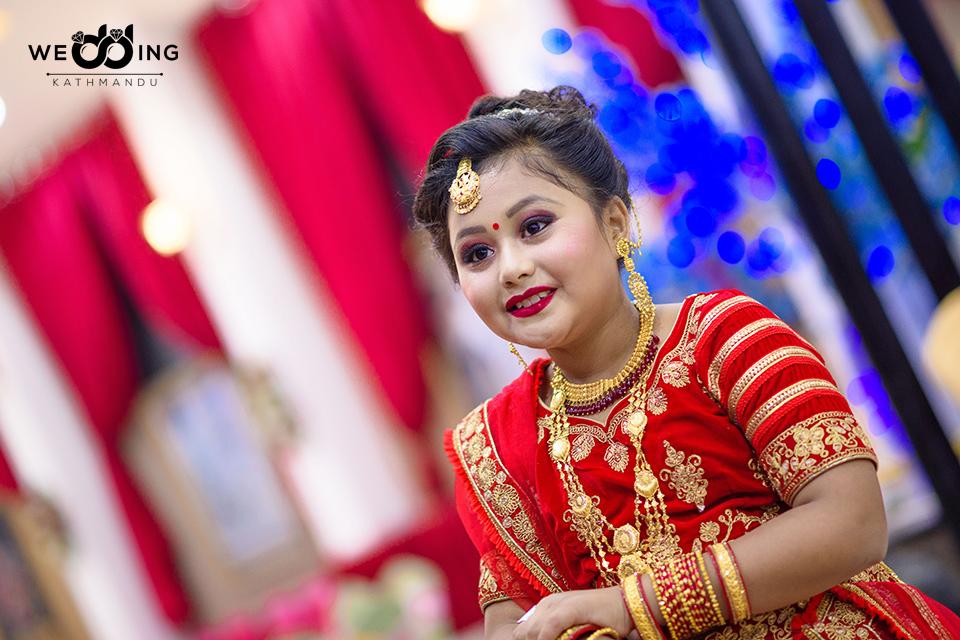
(742, 415)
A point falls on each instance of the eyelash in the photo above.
(470, 251)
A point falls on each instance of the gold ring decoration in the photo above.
(465, 190)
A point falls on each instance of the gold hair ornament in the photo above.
(465, 190)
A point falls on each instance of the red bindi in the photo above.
(496, 225)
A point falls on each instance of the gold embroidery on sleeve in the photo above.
(720, 358)
(685, 476)
(812, 446)
(781, 398)
(719, 309)
(756, 371)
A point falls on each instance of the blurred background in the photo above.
(226, 362)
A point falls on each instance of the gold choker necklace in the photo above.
(594, 393)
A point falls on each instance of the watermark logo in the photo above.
(109, 50)
(103, 46)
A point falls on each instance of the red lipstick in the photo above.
(535, 308)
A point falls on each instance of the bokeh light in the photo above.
(880, 263)
(828, 173)
(731, 247)
(951, 210)
(166, 227)
(455, 16)
(827, 113)
(898, 104)
(557, 41)
(909, 69)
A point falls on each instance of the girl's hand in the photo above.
(560, 611)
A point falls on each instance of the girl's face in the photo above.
(533, 261)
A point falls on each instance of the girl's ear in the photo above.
(616, 221)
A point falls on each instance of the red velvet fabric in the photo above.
(628, 28)
(53, 237)
(720, 477)
(282, 81)
(410, 79)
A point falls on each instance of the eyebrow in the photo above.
(512, 211)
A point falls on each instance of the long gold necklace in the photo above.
(584, 515)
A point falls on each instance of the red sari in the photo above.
(742, 414)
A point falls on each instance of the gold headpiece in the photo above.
(465, 190)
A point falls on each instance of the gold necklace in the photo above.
(584, 515)
(593, 393)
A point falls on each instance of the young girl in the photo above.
(674, 471)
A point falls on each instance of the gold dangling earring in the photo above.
(635, 281)
(523, 363)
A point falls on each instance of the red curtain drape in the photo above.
(8, 481)
(282, 79)
(413, 80)
(627, 27)
(54, 237)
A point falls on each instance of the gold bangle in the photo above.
(605, 632)
(711, 593)
(733, 581)
(640, 613)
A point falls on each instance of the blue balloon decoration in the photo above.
(827, 113)
(680, 252)
(898, 104)
(828, 173)
(660, 179)
(556, 41)
(880, 263)
(730, 247)
(951, 210)
(701, 221)
(909, 68)
(668, 107)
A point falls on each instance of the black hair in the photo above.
(560, 141)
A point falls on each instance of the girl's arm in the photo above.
(836, 528)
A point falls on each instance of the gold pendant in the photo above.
(560, 449)
(556, 401)
(631, 564)
(626, 539)
(580, 503)
(646, 484)
(636, 422)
